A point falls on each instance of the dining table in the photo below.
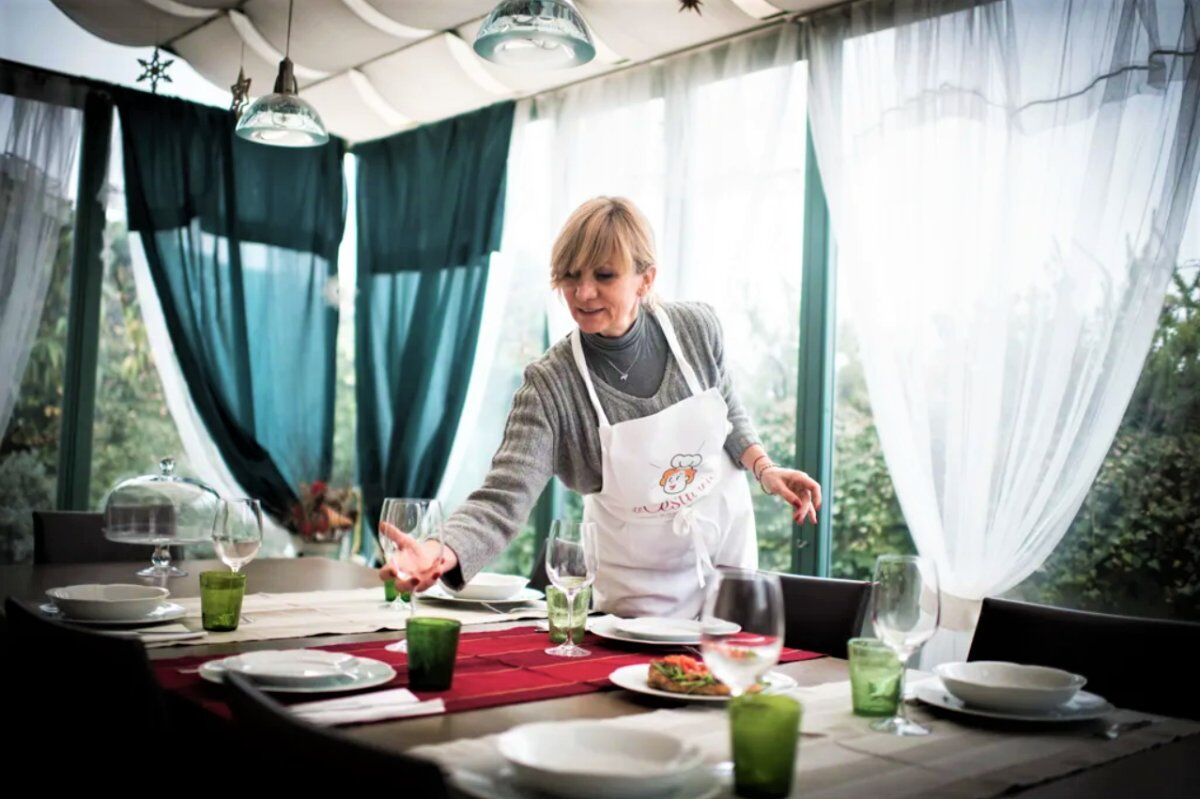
(1168, 769)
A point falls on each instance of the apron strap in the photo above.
(664, 321)
(581, 364)
(687, 522)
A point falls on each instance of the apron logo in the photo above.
(680, 485)
(681, 474)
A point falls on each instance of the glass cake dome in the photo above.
(161, 510)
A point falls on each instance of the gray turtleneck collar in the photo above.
(639, 354)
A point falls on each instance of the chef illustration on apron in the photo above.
(672, 506)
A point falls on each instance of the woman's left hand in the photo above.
(799, 490)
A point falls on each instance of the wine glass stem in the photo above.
(161, 557)
(570, 595)
(412, 603)
(901, 709)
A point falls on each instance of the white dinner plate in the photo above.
(293, 667)
(1083, 706)
(634, 678)
(501, 784)
(660, 628)
(440, 594)
(367, 674)
(606, 627)
(167, 611)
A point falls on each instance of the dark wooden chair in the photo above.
(537, 576)
(322, 755)
(1132, 662)
(823, 614)
(78, 537)
(83, 697)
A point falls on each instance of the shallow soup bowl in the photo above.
(1012, 687)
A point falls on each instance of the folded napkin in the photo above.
(392, 704)
(160, 634)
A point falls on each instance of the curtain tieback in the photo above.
(959, 613)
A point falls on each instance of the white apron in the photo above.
(672, 506)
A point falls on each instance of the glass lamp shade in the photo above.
(535, 34)
(282, 118)
(160, 509)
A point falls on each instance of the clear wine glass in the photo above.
(741, 627)
(905, 606)
(421, 521)
(571, 566)
(237, 534)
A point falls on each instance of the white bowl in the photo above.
(592, 760)
(116, 602)
(487, 586)
(1009, 686)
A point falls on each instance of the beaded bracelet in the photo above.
(760, 476)
(754, 465)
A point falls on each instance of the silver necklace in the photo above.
(624, 374)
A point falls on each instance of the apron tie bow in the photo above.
(687, 522)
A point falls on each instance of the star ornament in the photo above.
(241, 94)
(690, 5)
(155, 70)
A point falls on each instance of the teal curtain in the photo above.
(430, 212)
(242, 241)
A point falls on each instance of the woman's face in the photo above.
(605, 300)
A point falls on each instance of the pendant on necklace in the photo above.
(624, 377)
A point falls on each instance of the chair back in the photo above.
(93, 693)
(78, 537)
(822, 614)
(325, 755)
(1132, 662)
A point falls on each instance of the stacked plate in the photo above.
(112, 605)
(301, 671)
(494, 589)
(591, 760)
(1012, 691)
(655, 630)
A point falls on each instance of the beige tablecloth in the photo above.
(841, 758)
(357, 610)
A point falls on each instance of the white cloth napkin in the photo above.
(159, 634)
(392, 704)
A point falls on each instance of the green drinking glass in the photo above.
(432, 648)
(765, 733)
(389, 591)
(874, 678)
(221, 600)
(556, 612)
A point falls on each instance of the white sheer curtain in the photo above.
(204, 461)
(705, 145)
(39, 142)
(1008, 185)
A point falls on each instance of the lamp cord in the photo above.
(287, 48)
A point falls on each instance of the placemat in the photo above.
(839, 757)
(495, 667)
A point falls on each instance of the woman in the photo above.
(634, 410)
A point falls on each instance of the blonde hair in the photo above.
(601, 229)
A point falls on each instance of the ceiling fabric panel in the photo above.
(347, 110)
(640, 30)
(426, 83)
(326, 34)
(215, 50)
(128, 22)
(374, 67)
(438, 15)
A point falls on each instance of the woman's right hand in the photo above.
(422, 562)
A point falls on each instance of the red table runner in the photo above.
(500, 667)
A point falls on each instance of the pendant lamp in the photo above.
(283, 118)
(535, 34)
